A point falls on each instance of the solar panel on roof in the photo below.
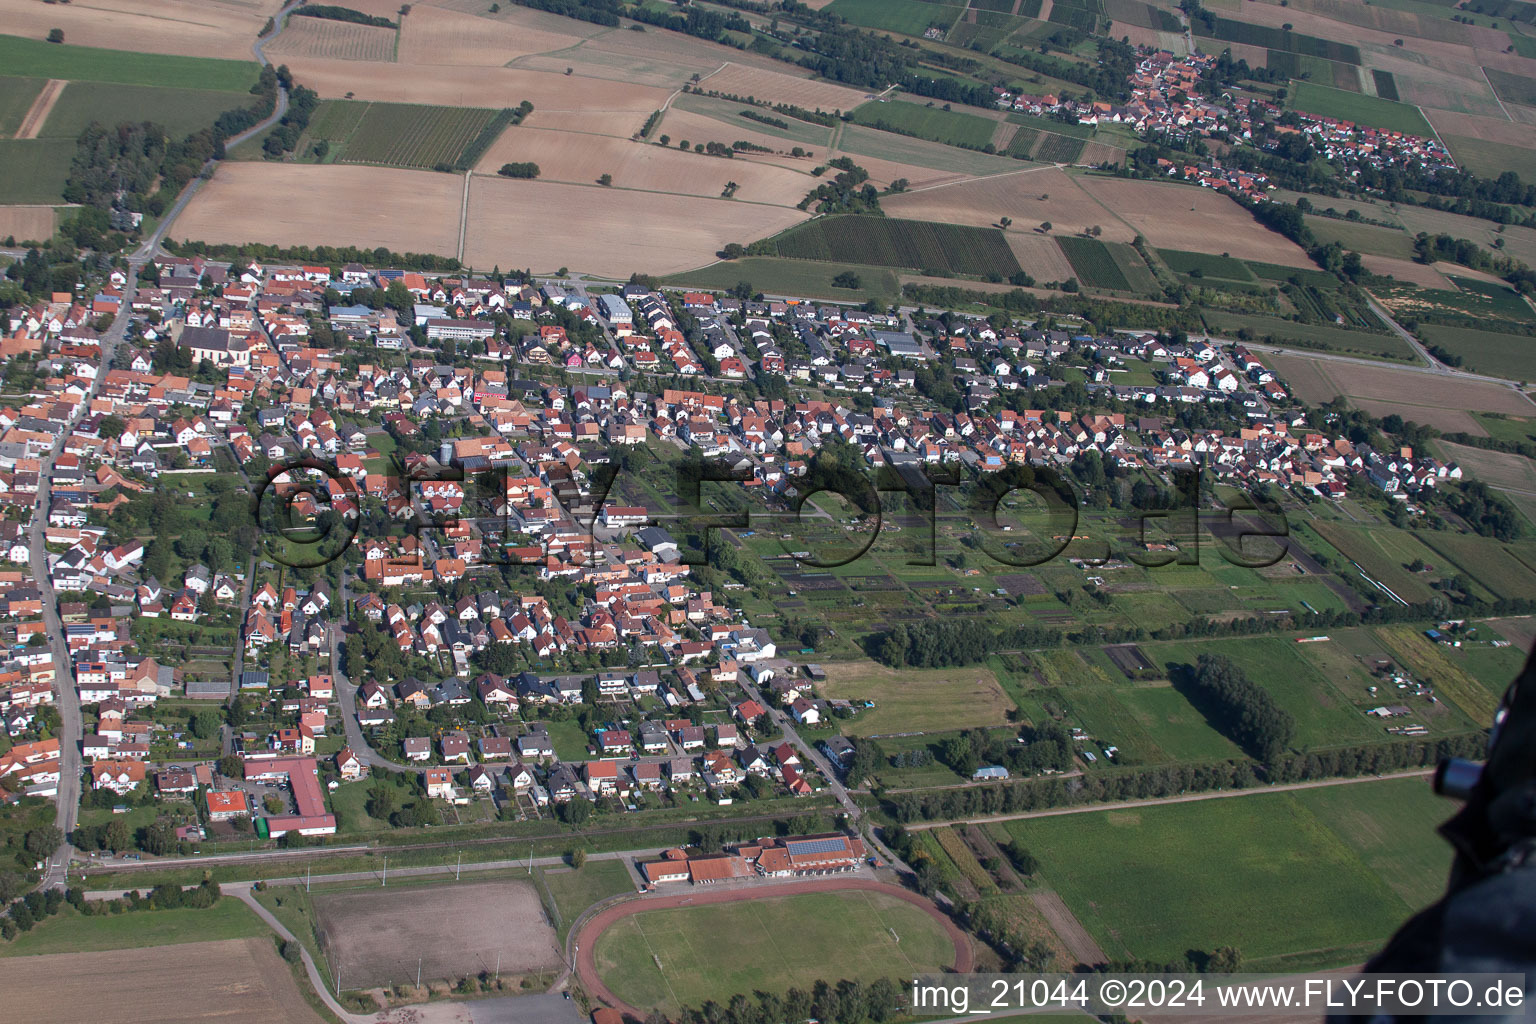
(802, 847)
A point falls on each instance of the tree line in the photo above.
(1239, 708)
(1172, 780)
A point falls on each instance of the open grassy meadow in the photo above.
(800, 278)
(1263, 873)
(1489, 352)
(73, 932)
(575, 890)
(1361, 109)
(33, 58)
(180, 111)
(917, 700)
(35, 169)
(930, 122)
(16, 96)
(681, 957)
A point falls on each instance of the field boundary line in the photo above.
(1484, 72)
(464, 214)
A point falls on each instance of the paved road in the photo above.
(68, 798)
(1183, 799)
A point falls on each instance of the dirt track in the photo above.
(38, 113)
(586, 937)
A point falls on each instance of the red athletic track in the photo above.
(586, 937)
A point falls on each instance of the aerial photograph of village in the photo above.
(707, 511)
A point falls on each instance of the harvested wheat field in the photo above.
(439, 36)
(42, 106)
(191, 28)
(1487, 129)
(318, 37)
(481, 87)
(1040, 256)
(1173, 216)
(581, 159)
(1434, 399)
(1423, 275)
(605, 231)
(1140, 36)
(374, 936)
(327, 204)
(26, 223)
(1017, 194)
(777, 87)
(621, 124)
(680, 125)
(236, 981)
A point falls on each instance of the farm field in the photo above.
(26, 223)
(1486, 352)
(1180, 217)
(668, 234)
(455, 38)
(909, 17)
(690, 113)
(1262, 873)
(16, 98)
(1018, 195)
(204, 28)
(406, 135)
(243, 981)
(72, 932)
(709, 951)
(941, 249)
(320, 37)
(181, 111)
(578, 158)
(36, 169)
(1324, 337)
(799, 278)
(782, 87)
(1363, 109)
(370, 936)
(436, 85)
(1438, 401)
(928, 700)
(32, 58)
(889, 156)
(1383, 555)
(1100, 266)
(1039, 255)
(296, 204)
(1371, 239)
(930, 122)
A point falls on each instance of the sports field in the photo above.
(376, 936)
(667, 959)
(1263, 873)
(908, 700)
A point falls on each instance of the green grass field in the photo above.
(35, 169)
(927, 122)
(34, 58)
(16, 96)
(767, 943)
(913, 700)
(1360, 108)
(1512, 88)
(942, 250)
(910, 17)
(180, 111)
(1388, 824)
(1317, 337)
(794, 277)
(574, 891)
(1262, 873)
(1490, 352)
(1207, 265)
(72, 932)
(1173, 729)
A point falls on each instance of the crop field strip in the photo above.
(33, 58)
(16, 97)
(948, 249)
(927, 122)
(400, 134)
(1372, 111)
(1233, 31)
(1094, 264)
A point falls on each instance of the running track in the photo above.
(586, 937)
